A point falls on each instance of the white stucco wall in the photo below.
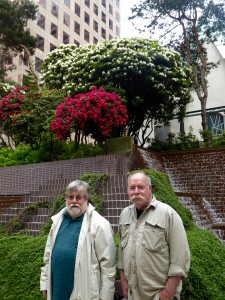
(216, 93)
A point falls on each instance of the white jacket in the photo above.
(95, 267)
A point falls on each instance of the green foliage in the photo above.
(22, 255)
(206, 278)
(154, 80)
(163, 191)
(181, 141)
(20, 267)
(189, 26)
(47, 151)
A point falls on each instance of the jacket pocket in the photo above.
(124, 236)
(153, 237)
(94, 281)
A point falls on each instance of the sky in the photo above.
(128, 30)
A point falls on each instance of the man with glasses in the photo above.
(154, 254)
(80, 256)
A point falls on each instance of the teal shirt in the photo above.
(64, 256)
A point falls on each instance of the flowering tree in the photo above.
(155, 80)
(26, 115)
(97, 113)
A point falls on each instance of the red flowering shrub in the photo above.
(26, 115)
(97, 113)
(10, 104)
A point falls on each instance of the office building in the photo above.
(69, 22)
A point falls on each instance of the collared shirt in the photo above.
(152, 248)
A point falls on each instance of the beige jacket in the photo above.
(152, 248)
(95, 267)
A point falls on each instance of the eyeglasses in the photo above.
(77, 197)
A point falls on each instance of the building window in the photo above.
(95, 9)
(77, 9)
(66, 19)
(86, 18)
(110, 37)
(40, 42)
(42, 3)
(87, 2)
(117, 30)
(110, 24)
(67, 3)
(110, 9)
(118, 3)
(215, 122)
(104, 3)
(117, 16)
(66, 38)
(103, 17)
(86, 36)
(95, 26)
(38, 64)
(52, 47)
(54, 30)
(103, 33)
(77, 27)
(41, 21)
(76, 43)
(95, 41)
(55, 10)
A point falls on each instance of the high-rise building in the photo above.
(69, 22)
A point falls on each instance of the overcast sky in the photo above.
(128, 30)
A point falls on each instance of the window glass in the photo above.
(117, 16)
(117, 30)
(86, 18)
(41, 21)
(95, 9)
(95, 25)
(104, 3)
(54, 30)
(77, 27)
(55, 10)
(42, 3)
(52, 47)
(86, 35)
(77, 9)
(110, 24)
(87, 2)
(66, 38)
(67, 3)
(95, 41)
(215, 122)
(103, 17)
(40, 42)
(110, 9)
(66, 19)
(38, 64)
(103, 33)
(76, 43)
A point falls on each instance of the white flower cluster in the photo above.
(73, 68)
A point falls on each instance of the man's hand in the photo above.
(124, 283)
(169, 290)
(44, 294)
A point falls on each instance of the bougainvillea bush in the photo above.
(97, 113)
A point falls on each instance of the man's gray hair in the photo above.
(79, 186)
(148, 179)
